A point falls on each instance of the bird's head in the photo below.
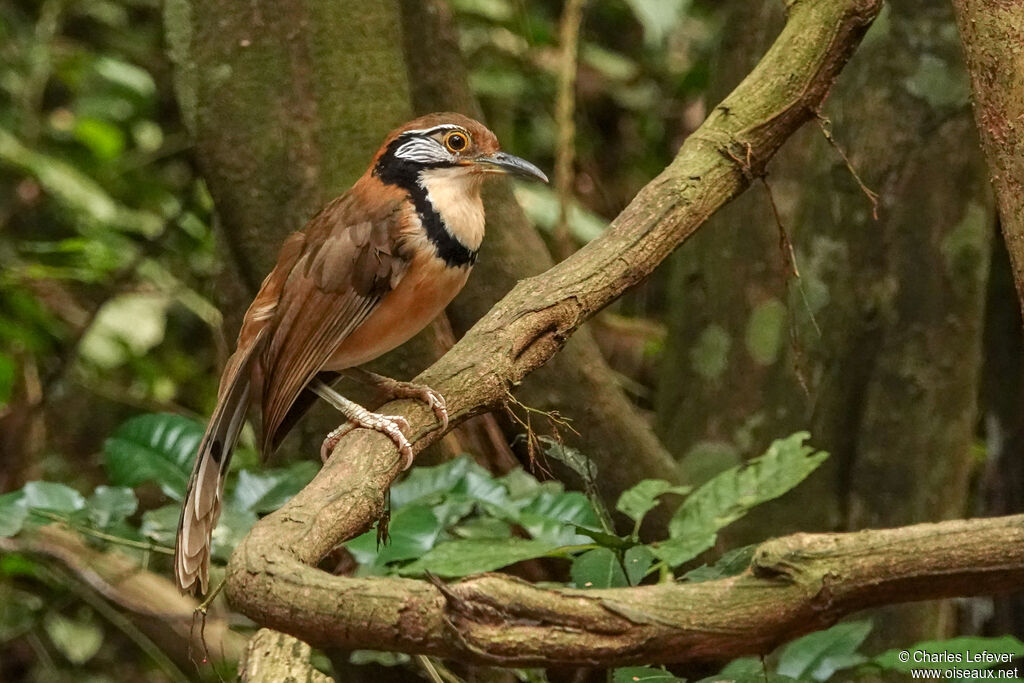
(450, 145)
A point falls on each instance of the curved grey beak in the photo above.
(512, 165)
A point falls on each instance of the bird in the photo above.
(374, 267)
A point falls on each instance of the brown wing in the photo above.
(345, 269)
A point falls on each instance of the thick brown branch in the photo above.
(796, 584)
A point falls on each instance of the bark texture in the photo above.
(992, 35)
(889, 385)
(992, 32)
(272, 577)
(273, 657)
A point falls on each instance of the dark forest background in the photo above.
(862, 294)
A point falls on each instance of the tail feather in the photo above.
(201, 509)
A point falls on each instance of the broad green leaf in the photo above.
(819, 655)
(161, 525)
(267, 490)
(968, 648)
(746, 670)
(676, 551)
(474, 555)
(636, 561)
(412, 531)
(640, 499)
(111, 504)
(644, 674)
(47, 495)
(78, 641)
(158, 447)
(598, 568)
(550, 517)
(13, 512)
(519, 483)
(482, 527)
(733, 493)
(731, 563)
(423, 482)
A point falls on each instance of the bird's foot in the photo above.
(394, 388)
(390, 426)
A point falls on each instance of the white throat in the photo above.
(455, 195)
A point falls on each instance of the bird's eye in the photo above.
(455, 142)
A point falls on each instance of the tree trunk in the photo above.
(889, 386)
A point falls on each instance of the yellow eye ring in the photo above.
(456, 142)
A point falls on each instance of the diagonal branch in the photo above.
(795, 584)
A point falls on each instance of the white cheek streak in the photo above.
(422, 151)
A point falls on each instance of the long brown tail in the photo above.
(201, 509)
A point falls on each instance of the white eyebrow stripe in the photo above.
(435, 129)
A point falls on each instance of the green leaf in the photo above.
(424, 482)
(731, 563)
(637, 560)
(111, 504)
(571, 458)
(551, 517)
(267, 490)
(78, 641)
(474, 555)
(640, 499)
(746, 670)
(644, 674)
(733, 493)
(967, 648)
(161, 525)
(13, 513)
(483, 527)
(231, 528)
(676, 551)
(819, 655)
(606, 539)
(47, 495)
(598, 568)
(158, 447)
(412, 531)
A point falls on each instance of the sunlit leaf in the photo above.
(111, 504)
(48, 495)
(157, 447)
